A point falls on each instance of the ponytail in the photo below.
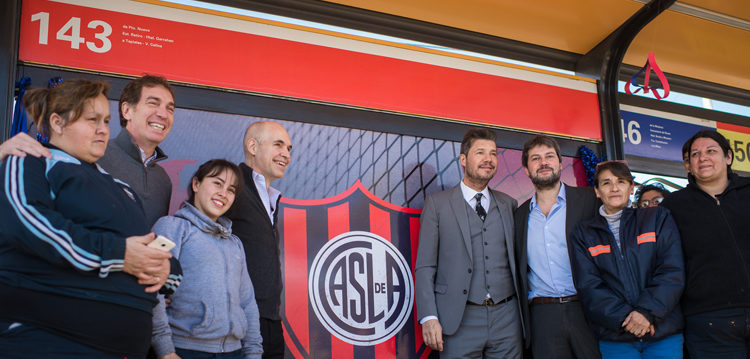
(36, 104)
(67, 100)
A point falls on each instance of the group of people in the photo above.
(572, 272)
(78, 277)
(576, 272)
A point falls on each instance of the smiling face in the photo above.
(543, 167)
(480, 163)
(614, 191)
(86, 137)
(150, 120)
(214, 195)
(707, 161)
(269, 151)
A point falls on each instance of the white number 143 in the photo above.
(71, 32)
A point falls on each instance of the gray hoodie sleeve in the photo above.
(252, 344)
(161, 338)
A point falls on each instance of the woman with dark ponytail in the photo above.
(214, 315)
(77, 279)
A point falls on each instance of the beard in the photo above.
(546, 182)
(478, 176)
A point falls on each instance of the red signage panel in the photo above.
(90, 38)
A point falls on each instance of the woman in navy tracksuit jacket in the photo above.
(66, 285)
(629, 272)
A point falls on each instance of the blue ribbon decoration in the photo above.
(51, 83)
(590, 160)
(54, 81)
(19, 123)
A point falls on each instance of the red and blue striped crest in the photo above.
(348, 277)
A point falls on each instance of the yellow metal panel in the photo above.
(740, 143)
(736, 8)
(570, 25)
(697, 48)
(684, 44)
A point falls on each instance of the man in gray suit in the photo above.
(465, 270)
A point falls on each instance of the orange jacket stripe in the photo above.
(600, 249)
(648, 237)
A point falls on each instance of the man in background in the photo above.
(146, 116)
(267, 148)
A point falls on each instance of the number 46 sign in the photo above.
(659, 135)
(654, 134)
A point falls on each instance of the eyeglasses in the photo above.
(657, 201)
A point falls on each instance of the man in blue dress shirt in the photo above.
(551, 307)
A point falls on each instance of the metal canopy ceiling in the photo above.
(706, 40)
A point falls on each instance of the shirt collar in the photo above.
(145, 160)
(273, 193)
(560, 197)
(469, 193)
(258, 178)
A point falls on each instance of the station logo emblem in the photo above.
(361, 288)
(348, 283)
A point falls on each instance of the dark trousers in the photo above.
(194, 354)
(719, 334)
(273, 338)
(560, 331)
(21, 341)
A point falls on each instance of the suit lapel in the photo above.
(572, 216)
(523, 227)
(507, 217)
(255, 196)
(458, 204)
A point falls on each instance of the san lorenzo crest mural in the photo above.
(348, 281)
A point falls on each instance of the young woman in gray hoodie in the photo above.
(214, 310)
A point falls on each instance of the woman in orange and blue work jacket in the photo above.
(629, 272)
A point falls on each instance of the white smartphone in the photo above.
(162, 243)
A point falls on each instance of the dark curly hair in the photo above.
(650, 187)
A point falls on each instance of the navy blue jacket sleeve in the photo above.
(174, 279)
(600, 304)
(662, 293)
(33, 225)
